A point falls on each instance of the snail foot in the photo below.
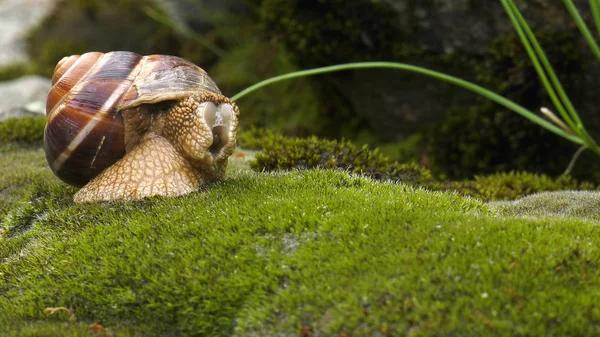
(152, 168)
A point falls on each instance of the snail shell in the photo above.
(87, 131)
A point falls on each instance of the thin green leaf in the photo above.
(570, 115)
(595, 6)
(528, 39)
(401, 66)
(583, 27)
(538, 59)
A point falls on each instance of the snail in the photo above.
(127, 127)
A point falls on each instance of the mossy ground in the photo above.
(313, 253)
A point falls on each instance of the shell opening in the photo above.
(209, 111)
(221, 125)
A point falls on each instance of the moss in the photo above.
(511, 185)
(283, 153)
(332, 31)
(278, 254)
(27, 130)
(22, 166)
(51, 329)
(410, 149)
(581, 204)
(16, 70)
(255, 138)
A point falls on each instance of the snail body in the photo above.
(126, 126)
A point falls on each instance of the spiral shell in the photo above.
(84, 134)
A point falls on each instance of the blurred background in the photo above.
(408, 116)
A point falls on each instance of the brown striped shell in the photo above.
(84, 134)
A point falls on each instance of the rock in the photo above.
(467, 27)
(581, 204)
(25, 96)
(17, 17)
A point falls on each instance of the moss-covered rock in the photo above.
(17, 70)
(564, 204)
(22, 165)
(317, 251)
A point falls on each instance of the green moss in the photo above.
(273, 254)
(509, 186)
(283, 153)
(16, 70)
(255, 138)
(65, 329)
(410, 149)
(332, 31)
(22, 169)
(27, 130)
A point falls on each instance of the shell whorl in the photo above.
(84, 134)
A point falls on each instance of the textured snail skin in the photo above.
(175, 136)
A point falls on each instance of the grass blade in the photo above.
(595, 6)
(538, 58)
(583, 27)
(431, 73)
